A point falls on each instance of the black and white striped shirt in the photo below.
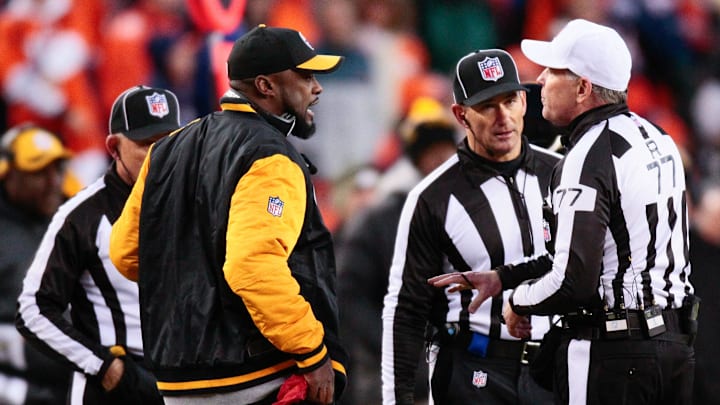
(72, 270)
(622, 228)
(464, 216)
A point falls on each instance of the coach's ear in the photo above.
(264, 85)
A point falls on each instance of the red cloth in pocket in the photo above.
(293, 390)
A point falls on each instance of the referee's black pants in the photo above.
(617, 372)
(462, 378)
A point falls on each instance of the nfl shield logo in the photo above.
(491, 69)
(157, 105)
(275, 206)
(479, 379)
(546, 231)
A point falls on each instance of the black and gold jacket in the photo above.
(235, 266)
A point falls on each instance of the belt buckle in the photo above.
(524, 358)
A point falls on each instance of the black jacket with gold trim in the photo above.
(235, 266)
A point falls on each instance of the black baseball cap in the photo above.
(265, 50)
(143, 112)
(484, 74)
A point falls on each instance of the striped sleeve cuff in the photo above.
(507, 277)
(310, 361)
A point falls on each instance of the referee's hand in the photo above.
(113, 374)
(487, 284)
(517, 325)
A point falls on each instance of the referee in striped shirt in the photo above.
(72, 269)
(479, 209)
(620, 272)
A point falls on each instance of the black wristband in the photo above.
(506, 275)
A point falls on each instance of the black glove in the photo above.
(136, 386)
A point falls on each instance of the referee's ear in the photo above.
(584, 90)
(111, 146)
(459, 114)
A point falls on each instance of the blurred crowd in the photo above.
(64, 62)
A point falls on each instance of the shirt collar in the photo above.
(233, 100)
(573, 132)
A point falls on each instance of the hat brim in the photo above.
(492, 92)
(36, 163)
(321, 63)
(150, 131)
(541, 53)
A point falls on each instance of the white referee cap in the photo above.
(587, 49)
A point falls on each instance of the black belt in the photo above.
(592, 329)
(512, 349)
(523, 351)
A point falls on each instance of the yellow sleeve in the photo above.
(267, 212)
(125, 232)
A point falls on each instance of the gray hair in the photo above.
(610, 96)
(604, 94)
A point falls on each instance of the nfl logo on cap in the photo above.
(157, 105)
(484, 74)
(491, 69)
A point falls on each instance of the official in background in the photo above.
(32, 170)
(429, 137)
(102, 342)
(479, 209)
(235, 266)
(705, 256)
(620, 272)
